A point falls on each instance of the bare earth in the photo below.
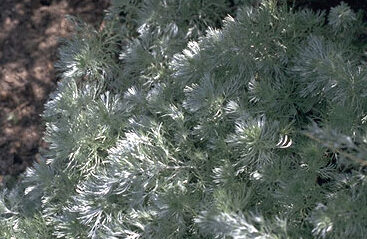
(29, 38)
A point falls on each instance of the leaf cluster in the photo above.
(170, 123)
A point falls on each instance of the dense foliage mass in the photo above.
(171, 123)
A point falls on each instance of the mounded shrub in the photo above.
(171, 123)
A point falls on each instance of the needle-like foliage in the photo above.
(203, 119)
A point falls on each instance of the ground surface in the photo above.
(29, 38)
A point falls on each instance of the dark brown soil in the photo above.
(29, 38)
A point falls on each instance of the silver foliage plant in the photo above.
(171, 123)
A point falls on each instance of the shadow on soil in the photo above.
(29, 39)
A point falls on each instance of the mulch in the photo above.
(30, 32)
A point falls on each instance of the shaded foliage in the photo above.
(203, 129)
